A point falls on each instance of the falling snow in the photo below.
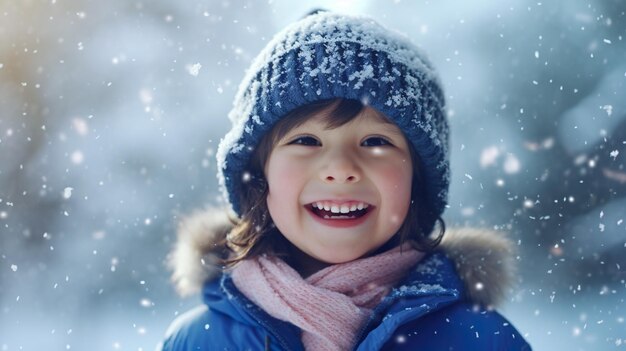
(111, 125)
(67, 192)
(194, 69)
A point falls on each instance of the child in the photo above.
(337, 169)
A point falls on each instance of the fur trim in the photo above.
(197, 253)
(484, 258)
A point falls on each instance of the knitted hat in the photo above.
(326, 56)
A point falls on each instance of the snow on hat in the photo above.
(325, 56)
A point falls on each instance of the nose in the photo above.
(340, 168)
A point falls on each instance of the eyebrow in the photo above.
(396, 130)
(388, 127)
(384, 125)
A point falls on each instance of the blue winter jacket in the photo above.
(432, 309)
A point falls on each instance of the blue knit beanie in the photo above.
(326, 56)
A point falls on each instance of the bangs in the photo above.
(336, 112)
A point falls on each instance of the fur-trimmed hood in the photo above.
(484, 258)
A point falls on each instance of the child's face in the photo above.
(365, 162)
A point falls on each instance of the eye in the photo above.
(305, 141)
(376, 141)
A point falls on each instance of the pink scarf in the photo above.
(331, 305)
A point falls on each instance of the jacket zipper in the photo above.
(364, 328)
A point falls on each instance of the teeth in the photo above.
(334, 208)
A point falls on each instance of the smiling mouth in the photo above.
(326, 210)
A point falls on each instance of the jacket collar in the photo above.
(431, 285)
(222, 295)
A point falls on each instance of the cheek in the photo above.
(396, 177)
(282, 174)
(283, 179)
(395, 186)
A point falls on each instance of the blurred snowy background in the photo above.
(111, 111)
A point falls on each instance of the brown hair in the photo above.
(255, 234)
